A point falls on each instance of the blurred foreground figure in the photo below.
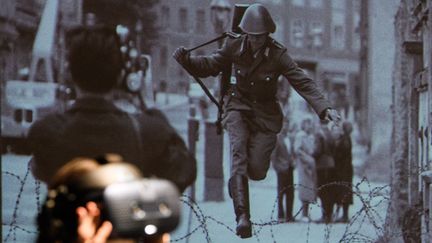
(253, 116)
(94, 126)
(79, 208)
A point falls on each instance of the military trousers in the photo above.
(250, 148)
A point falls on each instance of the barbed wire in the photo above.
(371, 200)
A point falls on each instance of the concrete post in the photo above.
(213, 154)
(430, 214)
(193, 136)
(427, 201)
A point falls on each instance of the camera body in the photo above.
(142, 207)
(137, 207)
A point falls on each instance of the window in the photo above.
(163, 56)
(338, 4)
(356, 25)
(316, 32)
(200, 21)
(316, 3)
(165, 17)
(183, 20)
(338, 40)
(338, 24)
(298, 2)
(297, 33)
(279, 33)
(29, 116)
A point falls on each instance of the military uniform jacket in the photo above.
(256, 80)
(94, 126)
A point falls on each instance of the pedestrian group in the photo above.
(321, 154)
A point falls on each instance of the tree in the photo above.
(127, 12)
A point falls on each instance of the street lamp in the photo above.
(213, 142)
(220, 15)
(138, 30)
(316, 37)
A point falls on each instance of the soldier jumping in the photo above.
(253, 116)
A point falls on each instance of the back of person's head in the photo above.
(95, 59)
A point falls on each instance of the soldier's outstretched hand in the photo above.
(181, 55)
(332, 115)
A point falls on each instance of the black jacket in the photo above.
(93, 127)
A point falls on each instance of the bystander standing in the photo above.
(304, 147)
(344, 170)
(94, 126)
(283, 164)
(325, 171)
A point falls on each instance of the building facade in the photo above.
(411, 200)
(19, 21)
(322, 36)
(181, 23)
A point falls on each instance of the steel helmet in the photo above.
(257, 20)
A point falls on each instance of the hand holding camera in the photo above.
(88, 230)
(93, 200)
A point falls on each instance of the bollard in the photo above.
(193, 136)
(426, 177)
(213, 160)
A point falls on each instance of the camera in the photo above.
(137, 207)
(142, 208)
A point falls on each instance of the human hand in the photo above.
(332, 115)
(88, 222)
(181, 55)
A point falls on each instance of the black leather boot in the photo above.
(239, 191)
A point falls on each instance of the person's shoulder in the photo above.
(234, 40)
(277, 45)
(277, 48)
(47, 124)
(235, 36)
(154, 119)
(153, 114)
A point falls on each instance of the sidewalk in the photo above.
(212, 221)
(167, 101)
(215, 221)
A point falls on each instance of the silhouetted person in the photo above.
(344, 170)
(325, 165)
(283, 164)
(253, 116)
(304, 148)
(94, 125)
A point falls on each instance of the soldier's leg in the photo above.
(238, 134)
(238, 183)
(261, 145)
